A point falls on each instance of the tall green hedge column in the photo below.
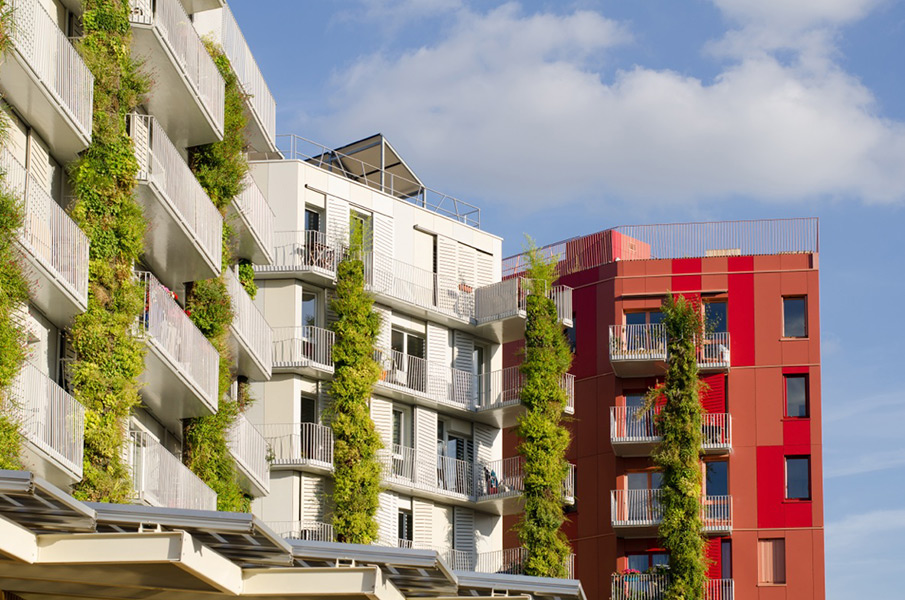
(678, 455)
(356, 442)
(110, 358)
(543, 440)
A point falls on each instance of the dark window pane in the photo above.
(309, 410)
(716, 316)
(796, 396)
(726, 559)
(718, 478)
(635, 318)
(659, 559)
(794, 317)
(798, 478)
(638, 562)
(655, 317)
(634, 399)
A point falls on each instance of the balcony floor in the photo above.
(638, 367)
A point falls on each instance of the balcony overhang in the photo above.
(507, 328)
(250, 244)
(248, 479)
(193, 6)
(249, 363)
(169, 392)
(629, 447)
(55, 297)
(625, 366)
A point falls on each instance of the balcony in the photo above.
(252, 337)
(252, 220)
(419, 380)
(304, 350)
(299, 446)
(312, 531)
(713, 354)
(634, 432)
(260, 107)
(52, 423)
(499, 485)
(46, 80)
(181, 366)
(195, 6)
(305, 255)
(188, 89)
(498, 398)
(432, 475)
(511, 561)
(637, 513)
(638, 350)
(652, 586)
(501, 308)
(185, 230)
(160, 479)
(55, 249)
(249, 449)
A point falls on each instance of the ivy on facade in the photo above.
(543, 440)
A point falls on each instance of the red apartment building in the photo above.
(757, 282)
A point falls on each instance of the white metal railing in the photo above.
(49, 418)
(192, 58)
(714, 352)
(249, 74)
(161, 166)
(292, 444)
(160, 479)
(717, 513)
(48, 233)
(510, 297)
(249, 449)
(248, 322)
(51, 55)
(420, 287)
(399, 463)
(717, 431)
(302, 251)
(502, 388)
(302, 346)
(256, 212)
(458, 560)
(455, 476)
(633, 424)
(511, 561)
(314, 531)
(506, 477)
(405, 543)
(638, 342)
(652, 586)
(165, 324)
(720, 589)
(641, 508)
(437, 381)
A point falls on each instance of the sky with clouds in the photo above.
(564, 118)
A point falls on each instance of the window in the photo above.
(405, 528)
(309, 410)
(795, 317)
(571, 335)
(796, 396)
(402, 426)
(312, 220)
(726, 559)
(771, 561)
(644, 562)
(643, 318)
(309, 309)
(798, 477)
(717, 479)
(363, 222)
(715, 317)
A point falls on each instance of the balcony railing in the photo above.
(717, 431)
(197, 67)
(302, 251)
(511, 561)
(256, 223)
(455, 476)
(503, 388)
(250, 327)
(299, 444)
(399, 464)
(49, 418)
(48, 235)
(420, 377)
(312, 531)
(52, 57)
(641, 508)
(714, 352)
(652, 586)
(249, 449)
(632, 424)
(162, 167)
(717, 513)
(302, 347)
(160, 479)
(638, 342)
(165, 325)
(506, 477)
(509, 298)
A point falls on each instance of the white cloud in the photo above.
(796, 13)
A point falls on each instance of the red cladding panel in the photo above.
(771, 475)
(741, 310)
(713, 553)
(796, 432)
(685, 283)
(713, 398)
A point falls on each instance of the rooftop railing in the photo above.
(499, 389)
(312, 531)
(303, 346)
(295, 147)
(249, 324)
(249, 449)
(192, 58)
(299, 444)
(49, 418)
(54, 60)
(511, 561)
(652, 586)
(160, 479)
(302, 251)
(257, 214)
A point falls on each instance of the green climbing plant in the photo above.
(543, 440)
(356, 442)
(678, 454)
(104, 377)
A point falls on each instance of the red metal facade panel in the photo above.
(713, 397)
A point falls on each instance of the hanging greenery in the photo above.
(104, 377)
(247, 278)
(543, 440)
(356, 470)
(678, 455)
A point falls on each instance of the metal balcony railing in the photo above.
(455, 476)
(302, 251)
(713, 353)
(652, 586)
(303, 346)
(161, 166)
(249, 449)
(511, 561)
(717, 431)
(420, 377)
(313, 531)
(641, 508)
(192, 59)
(632, 424)
(48, 235)
(502, 388)
(49, 418)
(638, 342)
(160, 479)
(165, 324)
(458, 560)
(720, 589)
(248, 324)
(510, 297)
(299, 444)
(506, 477)
(257, 215)
(717, 513)
(399, 464)
(52, 57)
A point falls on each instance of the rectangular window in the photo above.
(798, 478)
(726, 559)
(771, 561)
(796, 396)
(795, 317)
(715, 317)
(405, 527)
(309, 410)
(717, 479)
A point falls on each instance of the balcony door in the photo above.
(423, 283)
(402, 450)
(454, 452)
(410, 368)
(642, 501)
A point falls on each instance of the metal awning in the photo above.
(39, 506)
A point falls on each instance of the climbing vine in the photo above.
(220, 168)
(104, 377)
(678, 455)
(543, 440)
(356, 442)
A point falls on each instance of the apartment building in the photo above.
(757, 283)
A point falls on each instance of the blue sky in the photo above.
(564, 118)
